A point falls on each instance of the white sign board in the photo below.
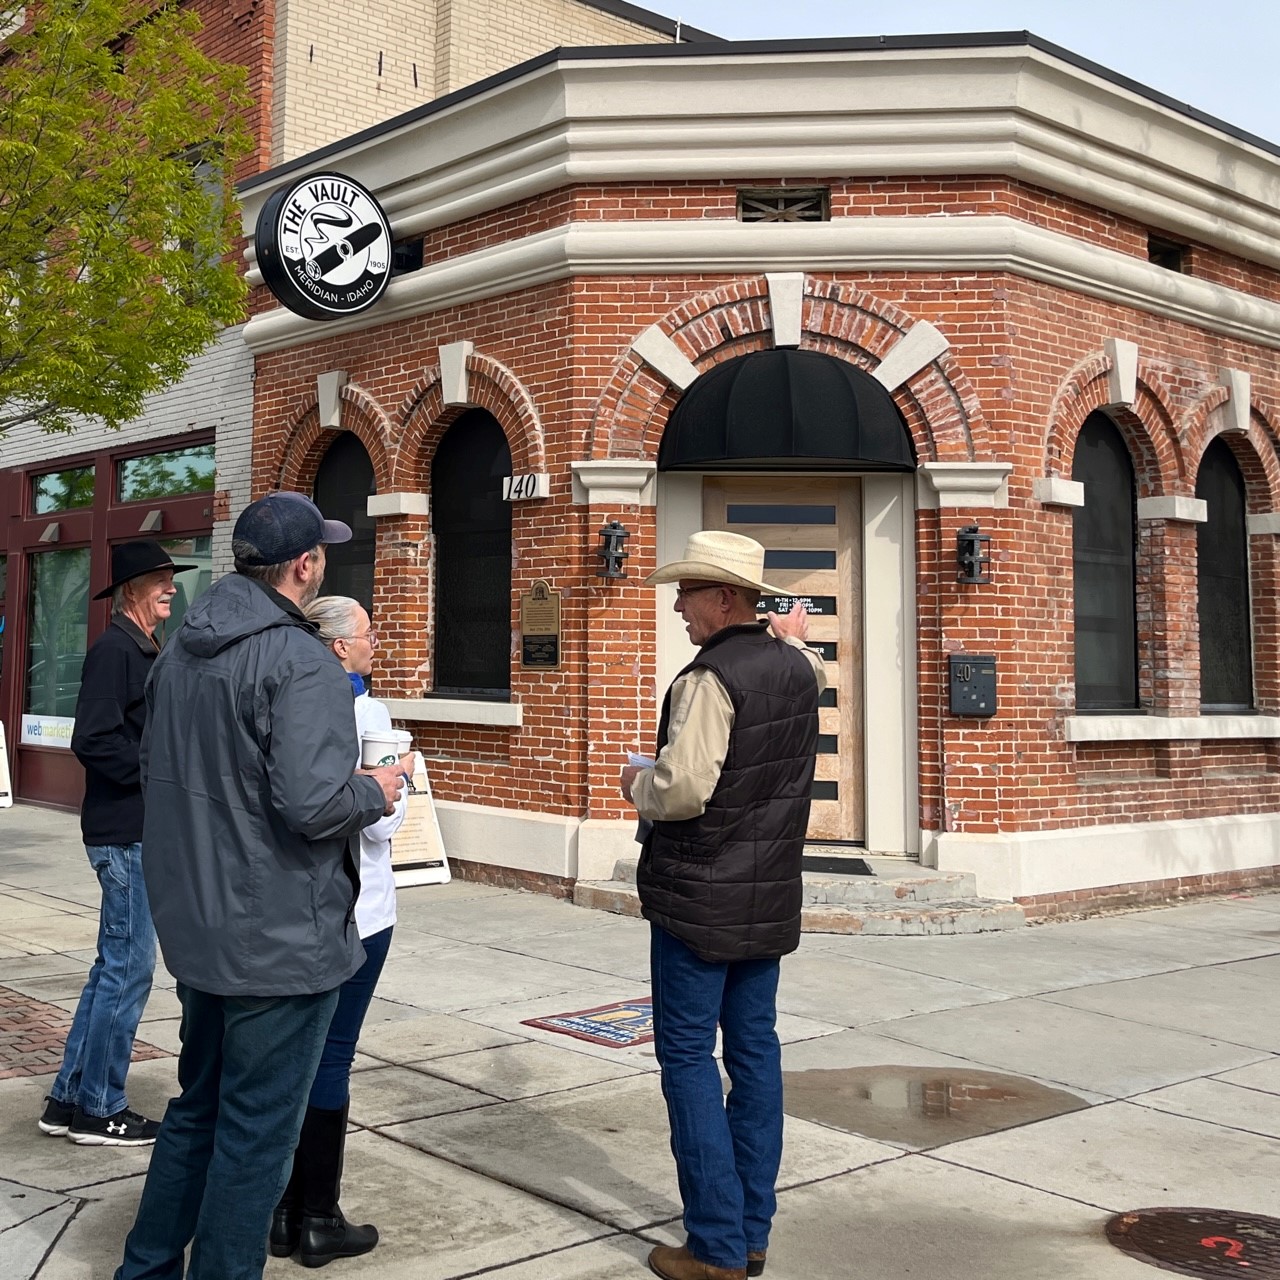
(47, 731)
(417, 851)
(522, 488)
(6, 787)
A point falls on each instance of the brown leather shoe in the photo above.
(679, 1264)
(755, 1262)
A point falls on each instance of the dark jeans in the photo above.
(727, 1152)
(100, 1042)
(220, 1161)
(332, 1087)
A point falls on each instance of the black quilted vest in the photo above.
(727, 883)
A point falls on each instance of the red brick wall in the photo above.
(1024, 371)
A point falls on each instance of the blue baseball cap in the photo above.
(280, 527)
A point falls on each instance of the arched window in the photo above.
(472, 525)
(343, 486)
(1222, 561)
(1102, 540)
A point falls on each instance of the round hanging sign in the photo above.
(324, 246)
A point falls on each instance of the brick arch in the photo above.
(1147, 426)
(308, 441)
(1254, 451)
(938, 403)
(491, 386)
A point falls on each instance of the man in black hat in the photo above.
(251, 802)
(87, 1102)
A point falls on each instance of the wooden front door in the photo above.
(811, 529)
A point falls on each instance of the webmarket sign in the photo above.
(47, 731)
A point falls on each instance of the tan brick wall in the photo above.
(344, 65)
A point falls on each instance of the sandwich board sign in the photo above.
(417, 850)
(6, 787)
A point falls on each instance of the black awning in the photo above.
(786, 410)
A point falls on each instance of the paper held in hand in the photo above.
(417, 850)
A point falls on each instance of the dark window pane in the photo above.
(1222, 560)
(827, 698)
(825, 791)
(59, 612)
(821, 606)
(1103, 557)
(828, 744)
(62, 490)
(165, 475)
(344, 484)
(779, 513)
(825, 647)
(472, 525)
(799, 559)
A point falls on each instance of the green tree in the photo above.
(118, 144)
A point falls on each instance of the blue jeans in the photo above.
(100, 1042)
(332, 1088)
(727, 1152)
(221, 1158)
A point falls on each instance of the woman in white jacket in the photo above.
(308, 1217)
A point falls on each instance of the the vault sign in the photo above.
(324, 246)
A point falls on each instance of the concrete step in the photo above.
(897, 887)
(928, 918)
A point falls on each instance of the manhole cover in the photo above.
(1200, 1242)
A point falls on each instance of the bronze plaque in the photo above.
(540, 626)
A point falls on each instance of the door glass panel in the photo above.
(62, 490)
(828, 744)
(779, 513)
(825, 791)
(828, 648)
(166, 475)
(815, 606)
(59, 612)
(827, 698)
(799, 559)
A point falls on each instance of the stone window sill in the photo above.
(456, 711)
(1168, 728)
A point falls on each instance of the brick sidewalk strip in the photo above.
(32, 1034)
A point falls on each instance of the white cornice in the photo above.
(965, 244)
(1014, 110)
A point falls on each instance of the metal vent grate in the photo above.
(784, 204)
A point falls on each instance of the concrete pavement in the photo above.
(958, 1106)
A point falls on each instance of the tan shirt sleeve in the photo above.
(688, 767)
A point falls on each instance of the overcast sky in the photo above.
(1220, 56)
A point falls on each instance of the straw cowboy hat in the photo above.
(715, 556)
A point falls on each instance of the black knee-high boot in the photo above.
(326, 1234)
(286, 1220)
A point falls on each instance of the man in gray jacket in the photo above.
(250, 801)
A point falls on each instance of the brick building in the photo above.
(855, 297)
(317, 69)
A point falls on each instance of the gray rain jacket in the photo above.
(250, 798)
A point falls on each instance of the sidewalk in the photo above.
(1137, 1058)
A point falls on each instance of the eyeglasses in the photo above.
(371, 636)
(681, 592)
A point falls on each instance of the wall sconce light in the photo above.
(973, 555)
(612, 551)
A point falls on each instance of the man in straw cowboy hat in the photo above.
(719, 881)
(87, 1102)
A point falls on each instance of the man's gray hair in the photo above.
(334, 615)
(270, 575)
(119, 601)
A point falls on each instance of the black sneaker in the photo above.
(124, 1129)
(57, 1117)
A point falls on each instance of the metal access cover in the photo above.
(1200, 1242)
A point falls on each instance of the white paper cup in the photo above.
(383, 746)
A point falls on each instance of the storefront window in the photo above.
(344, 483)
(472, 526)
(59, 626)
(62, 490)
(194, 582)
(4, 582)
(166, 475)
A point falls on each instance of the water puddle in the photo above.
(921, 1106)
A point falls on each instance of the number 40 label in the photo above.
(521, 488)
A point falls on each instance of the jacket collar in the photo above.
(757, 628)
(146, 643)
(284, 603)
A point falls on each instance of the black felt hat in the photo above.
(132, 559)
